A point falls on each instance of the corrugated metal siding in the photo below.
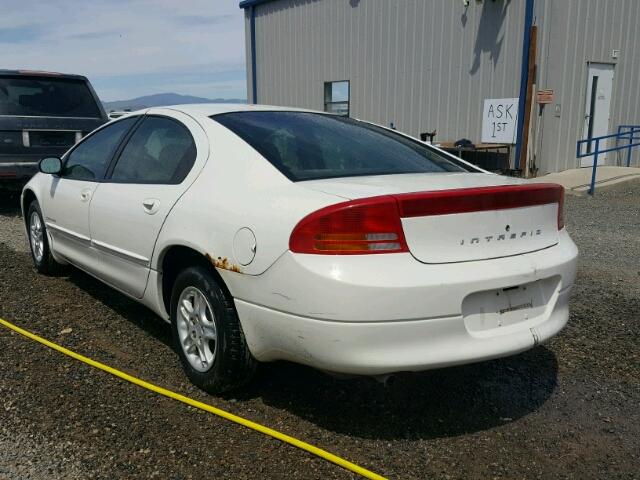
(247, 49)
(574, 32)
(429, 64)
(408, 61)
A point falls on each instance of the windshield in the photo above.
(47, 97)
(309, 146)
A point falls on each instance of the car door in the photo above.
(66, 207)
(160, 160)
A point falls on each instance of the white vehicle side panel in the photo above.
(65, 207)
(237, 189)
(123, 233)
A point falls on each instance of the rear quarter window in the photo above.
(160, 151)
(310, 146)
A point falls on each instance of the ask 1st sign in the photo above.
(499, 120)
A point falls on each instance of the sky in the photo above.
(130, 48)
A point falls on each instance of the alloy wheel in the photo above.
(36, 235)
(197, 329)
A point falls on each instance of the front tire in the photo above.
(39, 242)
(207, 332)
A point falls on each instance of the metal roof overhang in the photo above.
(252, 3)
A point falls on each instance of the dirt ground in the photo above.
(567, 409)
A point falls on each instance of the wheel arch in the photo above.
(175, 258)
(28, 196)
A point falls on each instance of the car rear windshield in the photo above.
(310, 146)
(47, 97)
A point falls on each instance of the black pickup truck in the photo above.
(42, 114)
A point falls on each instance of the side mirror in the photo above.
(50, 165)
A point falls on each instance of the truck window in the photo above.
(47, 97)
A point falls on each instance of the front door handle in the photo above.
(151, 205)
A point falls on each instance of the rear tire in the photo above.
(39, 242)
(208, 334)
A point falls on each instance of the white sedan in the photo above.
(264, 233)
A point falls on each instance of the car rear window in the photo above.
(310, 146)
(47, 97)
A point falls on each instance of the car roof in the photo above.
(209, 109)
(40, 73)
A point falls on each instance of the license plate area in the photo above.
(51, 138)
(513, 306)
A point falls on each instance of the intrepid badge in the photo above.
(501, 237)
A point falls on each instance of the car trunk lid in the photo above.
(353, 188)
(457, 217)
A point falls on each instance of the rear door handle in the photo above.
(151, 205)
(85, 195)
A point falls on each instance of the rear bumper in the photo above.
(359, 315)
(18, 167)
(379, 348)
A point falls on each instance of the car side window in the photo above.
(90, 159)
(161, 151)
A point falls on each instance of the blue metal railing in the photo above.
(625, 132)
(633, 133)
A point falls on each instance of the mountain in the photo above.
(162, 99)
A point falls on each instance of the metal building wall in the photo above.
(429, 64)
(420, 64)
(572, 33)
(247, 49)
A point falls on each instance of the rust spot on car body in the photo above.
(224, 264)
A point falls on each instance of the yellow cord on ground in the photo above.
(202, 406)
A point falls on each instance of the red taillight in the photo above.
(478, 199)
(357, 227)
(561, 209)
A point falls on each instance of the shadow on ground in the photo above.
(132, 311)
(439, 403)
(9, 202)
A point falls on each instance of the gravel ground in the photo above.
(568, 409)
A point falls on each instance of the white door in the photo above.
(66, 213)
(156, 166)
(597, 107)
(66, 209)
